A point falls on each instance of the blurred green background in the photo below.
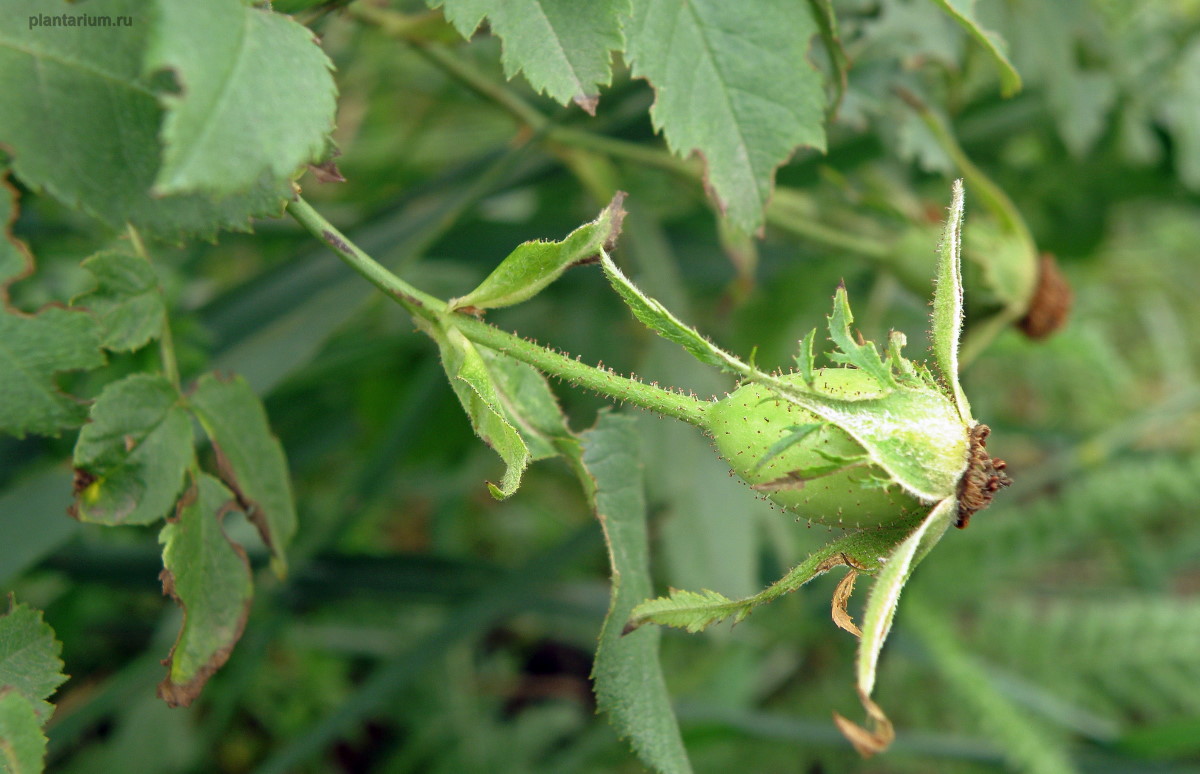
(437, 630)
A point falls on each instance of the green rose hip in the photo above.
(805, 464)
(875, 442)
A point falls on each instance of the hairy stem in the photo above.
(425, 306)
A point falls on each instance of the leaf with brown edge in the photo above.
(208, 575)
(250, 458)
(34, 349)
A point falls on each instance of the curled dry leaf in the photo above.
(872, 741)
(841, 597)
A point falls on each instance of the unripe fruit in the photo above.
(825, 476)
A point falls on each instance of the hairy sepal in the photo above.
(907, 425)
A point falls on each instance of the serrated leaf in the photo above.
(22, 743)
(963, 12)
(630, 687)
(32, 351)
(690, 610)
(735, 87)
(29, 658)
(946, 325)
(83, 86)
(476, 391)
(251, 459)
(209, 576)
(126, 300)
(256, 95)
(696, 611)
(864, 356)
(534, 265)
(656, 317)
(877, 621)
(131, 457)
(528, 404)
(563, 47)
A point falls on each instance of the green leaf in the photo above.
(251, 459)
(735, 87)
(32, 351)
(473, 383)
(529, 405)
(126, 300)
(534, 265)
(564, 47)
(946, 328)
(963, 12)
(877, 622)
(131, 457)
(629, 682)
(22, 743)
(209, 576)
(34, 348)
(805, 358)
(697, 611)
(29, 658)
(885, 592)
(690, 610)
(864, 356)
(84, 87)
(656, 317)
(255, 95)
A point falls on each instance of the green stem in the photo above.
(427, 307)
(991, 195)
(786, 211)
(166, 344)
(623, 149)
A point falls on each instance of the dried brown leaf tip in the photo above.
(1051, 301)
(871, 741)
(984, 477)
(616, 213)
(327, 172)
(841, 597)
